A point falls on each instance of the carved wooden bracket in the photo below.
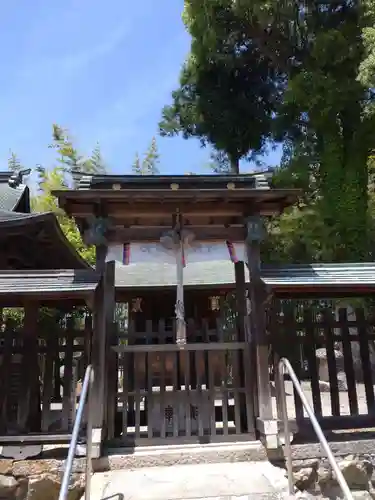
(97, 231)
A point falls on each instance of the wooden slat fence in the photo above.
(332, 350)
(40, 378)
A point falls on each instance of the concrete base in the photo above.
(151, 456)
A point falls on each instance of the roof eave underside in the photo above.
(9, 220)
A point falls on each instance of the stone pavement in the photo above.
(222, 481)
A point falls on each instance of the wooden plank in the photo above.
(67, 380)
(176, 388)
(198, 363)
(331, 360)
(219, 346)
(250, 413)
(48, 383)
(364, 347)
(291, 339)
(139, 359)
(5, 370)
(236, 387)
(348, 363)
(224, 389)
(211, 389)
(149, 395)
(112, 388)
(309, 351)
(162, 395)
(56, 371)
(188, 406)
(29, 411)
(125, 398)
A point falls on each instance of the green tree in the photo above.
(14, 163)
(96, 163)
(69, 157)
(227, 96)
(45, 201)
(148, 165)
(321, 108)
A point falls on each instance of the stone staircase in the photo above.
(236, 471)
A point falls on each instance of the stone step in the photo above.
(149, 456)
(220, 481)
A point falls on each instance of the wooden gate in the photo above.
(198, 393)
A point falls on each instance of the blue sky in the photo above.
(102, 69)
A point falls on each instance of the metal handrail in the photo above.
(285, 363)
(85, 395)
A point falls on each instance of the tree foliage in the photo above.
(14, 163)
(70, 159)
(61, 176)
(148, 165)
(307, 68)
(228, 89)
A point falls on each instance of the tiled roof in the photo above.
(12, 191)
(320, 275)
(201, 274)
(49, 282)
(151, 275)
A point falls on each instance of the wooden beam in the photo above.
(155, 209)
(122, 235)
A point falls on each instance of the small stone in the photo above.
(43, 487)
(22, 489)
(324, 475)
(6, 467)
(301, 464)
(305, 478)
(356, 472)
(8, 484)
(47, 487)
(26, 468)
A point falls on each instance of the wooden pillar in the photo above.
(266, 424)
(29, 411)
(247, 374)
(111, 387)
(103, 309)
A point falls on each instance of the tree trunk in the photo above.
(234, 165)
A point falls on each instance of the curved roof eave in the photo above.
(14, 219)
